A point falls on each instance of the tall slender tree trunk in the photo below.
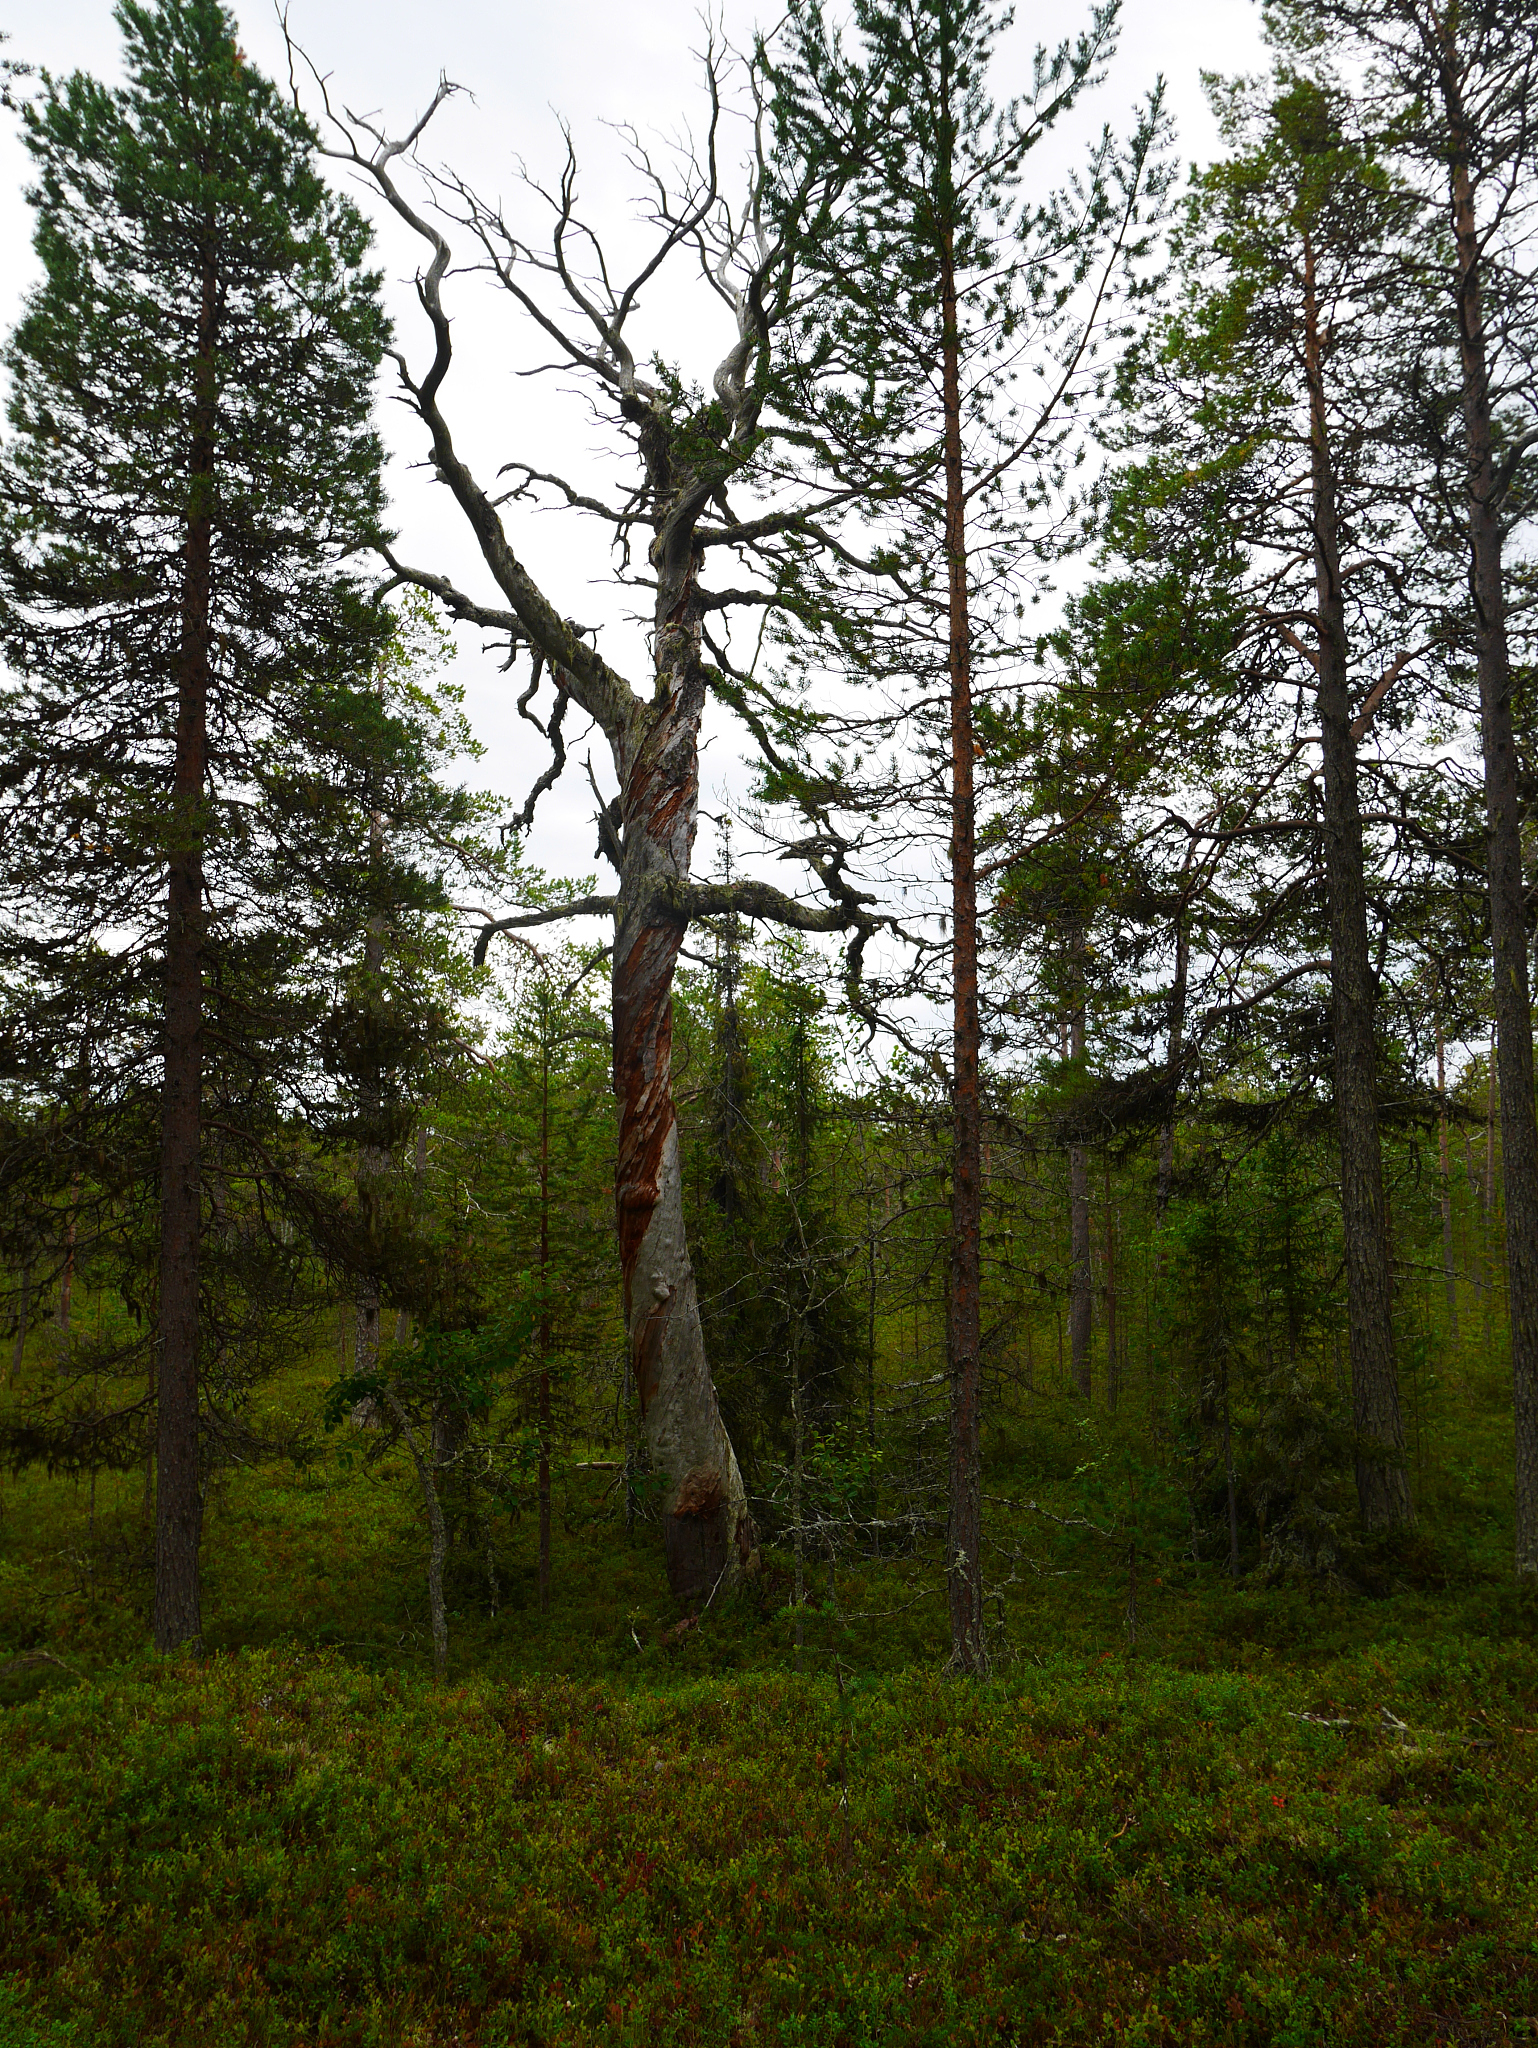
(1383, 1491)
(1449, 1274)
(23, 1316)
(1080, 1274)
(708, 1533)
(1508, 911)
(1112, 1362)
(964, 1573)
(544, 1285)
(798, 1483)
(1232, 1493)
(1487, 1208)
(419, 1168)
(1176, 1044)
(373, 1160)
(67, 1278)
(178, 1500)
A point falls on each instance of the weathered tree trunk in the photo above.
(1080, 1275)
(708, 1532)
(1383, 1492)
(178, 1499)
(648, 832)
(1508, 911)
(964, 1569)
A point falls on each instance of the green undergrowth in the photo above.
(1293, 1809)
(278, 1847)
(330, 1554)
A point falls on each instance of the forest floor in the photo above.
(1180, 1811)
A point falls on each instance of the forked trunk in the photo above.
(1383, 1491)
(1503, 812)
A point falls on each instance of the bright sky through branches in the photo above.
(591, 62)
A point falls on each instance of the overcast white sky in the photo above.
(591, 61)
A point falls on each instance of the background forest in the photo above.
(988, 1284)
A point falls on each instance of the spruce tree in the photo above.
(190, 464)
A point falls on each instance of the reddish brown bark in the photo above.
(1080, 1274)
(964, 1572)
(708, 1534)
(178, 1499)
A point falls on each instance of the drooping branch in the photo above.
(552, 774)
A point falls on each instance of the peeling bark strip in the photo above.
(689, 452)
(643, 1046)
(705, 1520)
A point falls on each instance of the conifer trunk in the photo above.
(1449, 1271)
(23, 1316)
(1172, 1081)
(1080, 1275)
(373, 1162)
(544, 1287)
(1383, 1493)
(708, 1533)
(1508, 912)
(965, 1541)
(1112, 1360)
(178, 1504)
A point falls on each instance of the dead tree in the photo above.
(690, 448)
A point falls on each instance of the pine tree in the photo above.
(190, 464)
(943, 285)
(1280, 360)
(1450, 90)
